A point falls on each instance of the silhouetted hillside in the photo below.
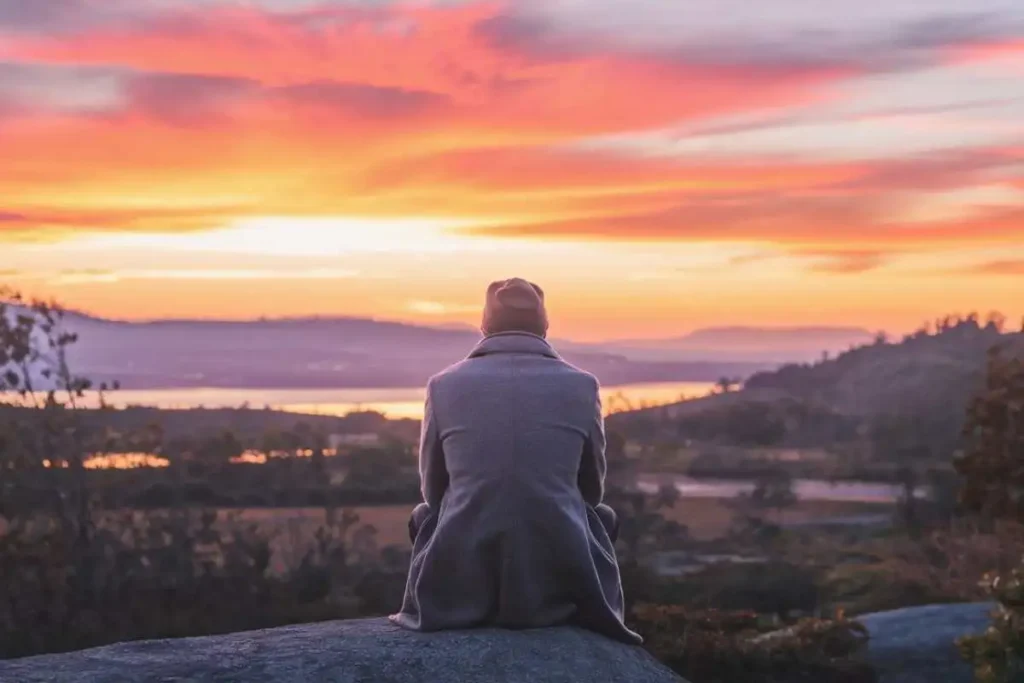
(766, 344)
(905, 396)
(915, 374)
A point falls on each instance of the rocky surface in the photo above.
(913, 645)
(373, 651)
(917, 645)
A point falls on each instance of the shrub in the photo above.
(993, 471)
(708, 646)
(993, 463)
(166, 575)
(998, 654)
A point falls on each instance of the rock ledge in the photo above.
(918, 644)
(371, 651)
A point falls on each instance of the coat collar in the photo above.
(514, 342)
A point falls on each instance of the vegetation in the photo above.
(89, 557)
(993, 463)
(998, 654)
(708, 646)
(878, 409)
(993, 470)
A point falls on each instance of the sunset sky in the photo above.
(657, 165)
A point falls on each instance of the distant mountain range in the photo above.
(749, 344)
(361, 353)
(366, 353)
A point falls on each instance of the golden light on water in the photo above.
(124, 461)
(250, 458)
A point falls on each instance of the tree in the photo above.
(621, 470)
(773, 491)
(726, 385)
(993, 471)
(380, 468)
(46, 446)
(667, 497)
(219, 449)
(995, 321)
(992, 464)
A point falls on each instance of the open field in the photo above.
(710, 518)
(707, 519)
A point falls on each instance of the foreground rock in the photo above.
(373, 651)
(918, 644)
(915, 645)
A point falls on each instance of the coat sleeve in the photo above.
(433, 473)
(594, 464)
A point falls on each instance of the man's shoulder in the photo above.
(580, 377)
(473, 367)
(447, 374)
(583, 375)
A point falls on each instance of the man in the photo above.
(513, 532)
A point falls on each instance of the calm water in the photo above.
(395, 403)
(805, 489)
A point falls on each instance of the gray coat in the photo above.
(512, 464)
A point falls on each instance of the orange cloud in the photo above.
(548, 170)
(798, 222)
(845, 262)
(452, 52)
(432, 110)
(317, 112)
(52, 225)
(996, 49)
(1008, 267)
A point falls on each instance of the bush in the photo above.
(998, 654)
(770, 588)
(708, 646)
(993, 471)
(167, 575)
(993, 463)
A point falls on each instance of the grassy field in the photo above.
(707, 519)
(292, 530)
(710, 518)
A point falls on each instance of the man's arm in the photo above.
(433, 473)
(594, 465)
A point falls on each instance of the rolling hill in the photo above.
(773, 344)
(324, 353)
(921, 384)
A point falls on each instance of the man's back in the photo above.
(515, 414)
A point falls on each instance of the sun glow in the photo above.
(301, 236)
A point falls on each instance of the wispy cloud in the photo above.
(99, 276)
(845, 262)
(805, 221)
(1008, 268)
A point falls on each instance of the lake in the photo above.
(395, 403)
(804, 489)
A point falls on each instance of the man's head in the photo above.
(515, 306)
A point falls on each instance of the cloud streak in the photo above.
(1008, 268)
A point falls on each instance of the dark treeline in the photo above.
(881, 409)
